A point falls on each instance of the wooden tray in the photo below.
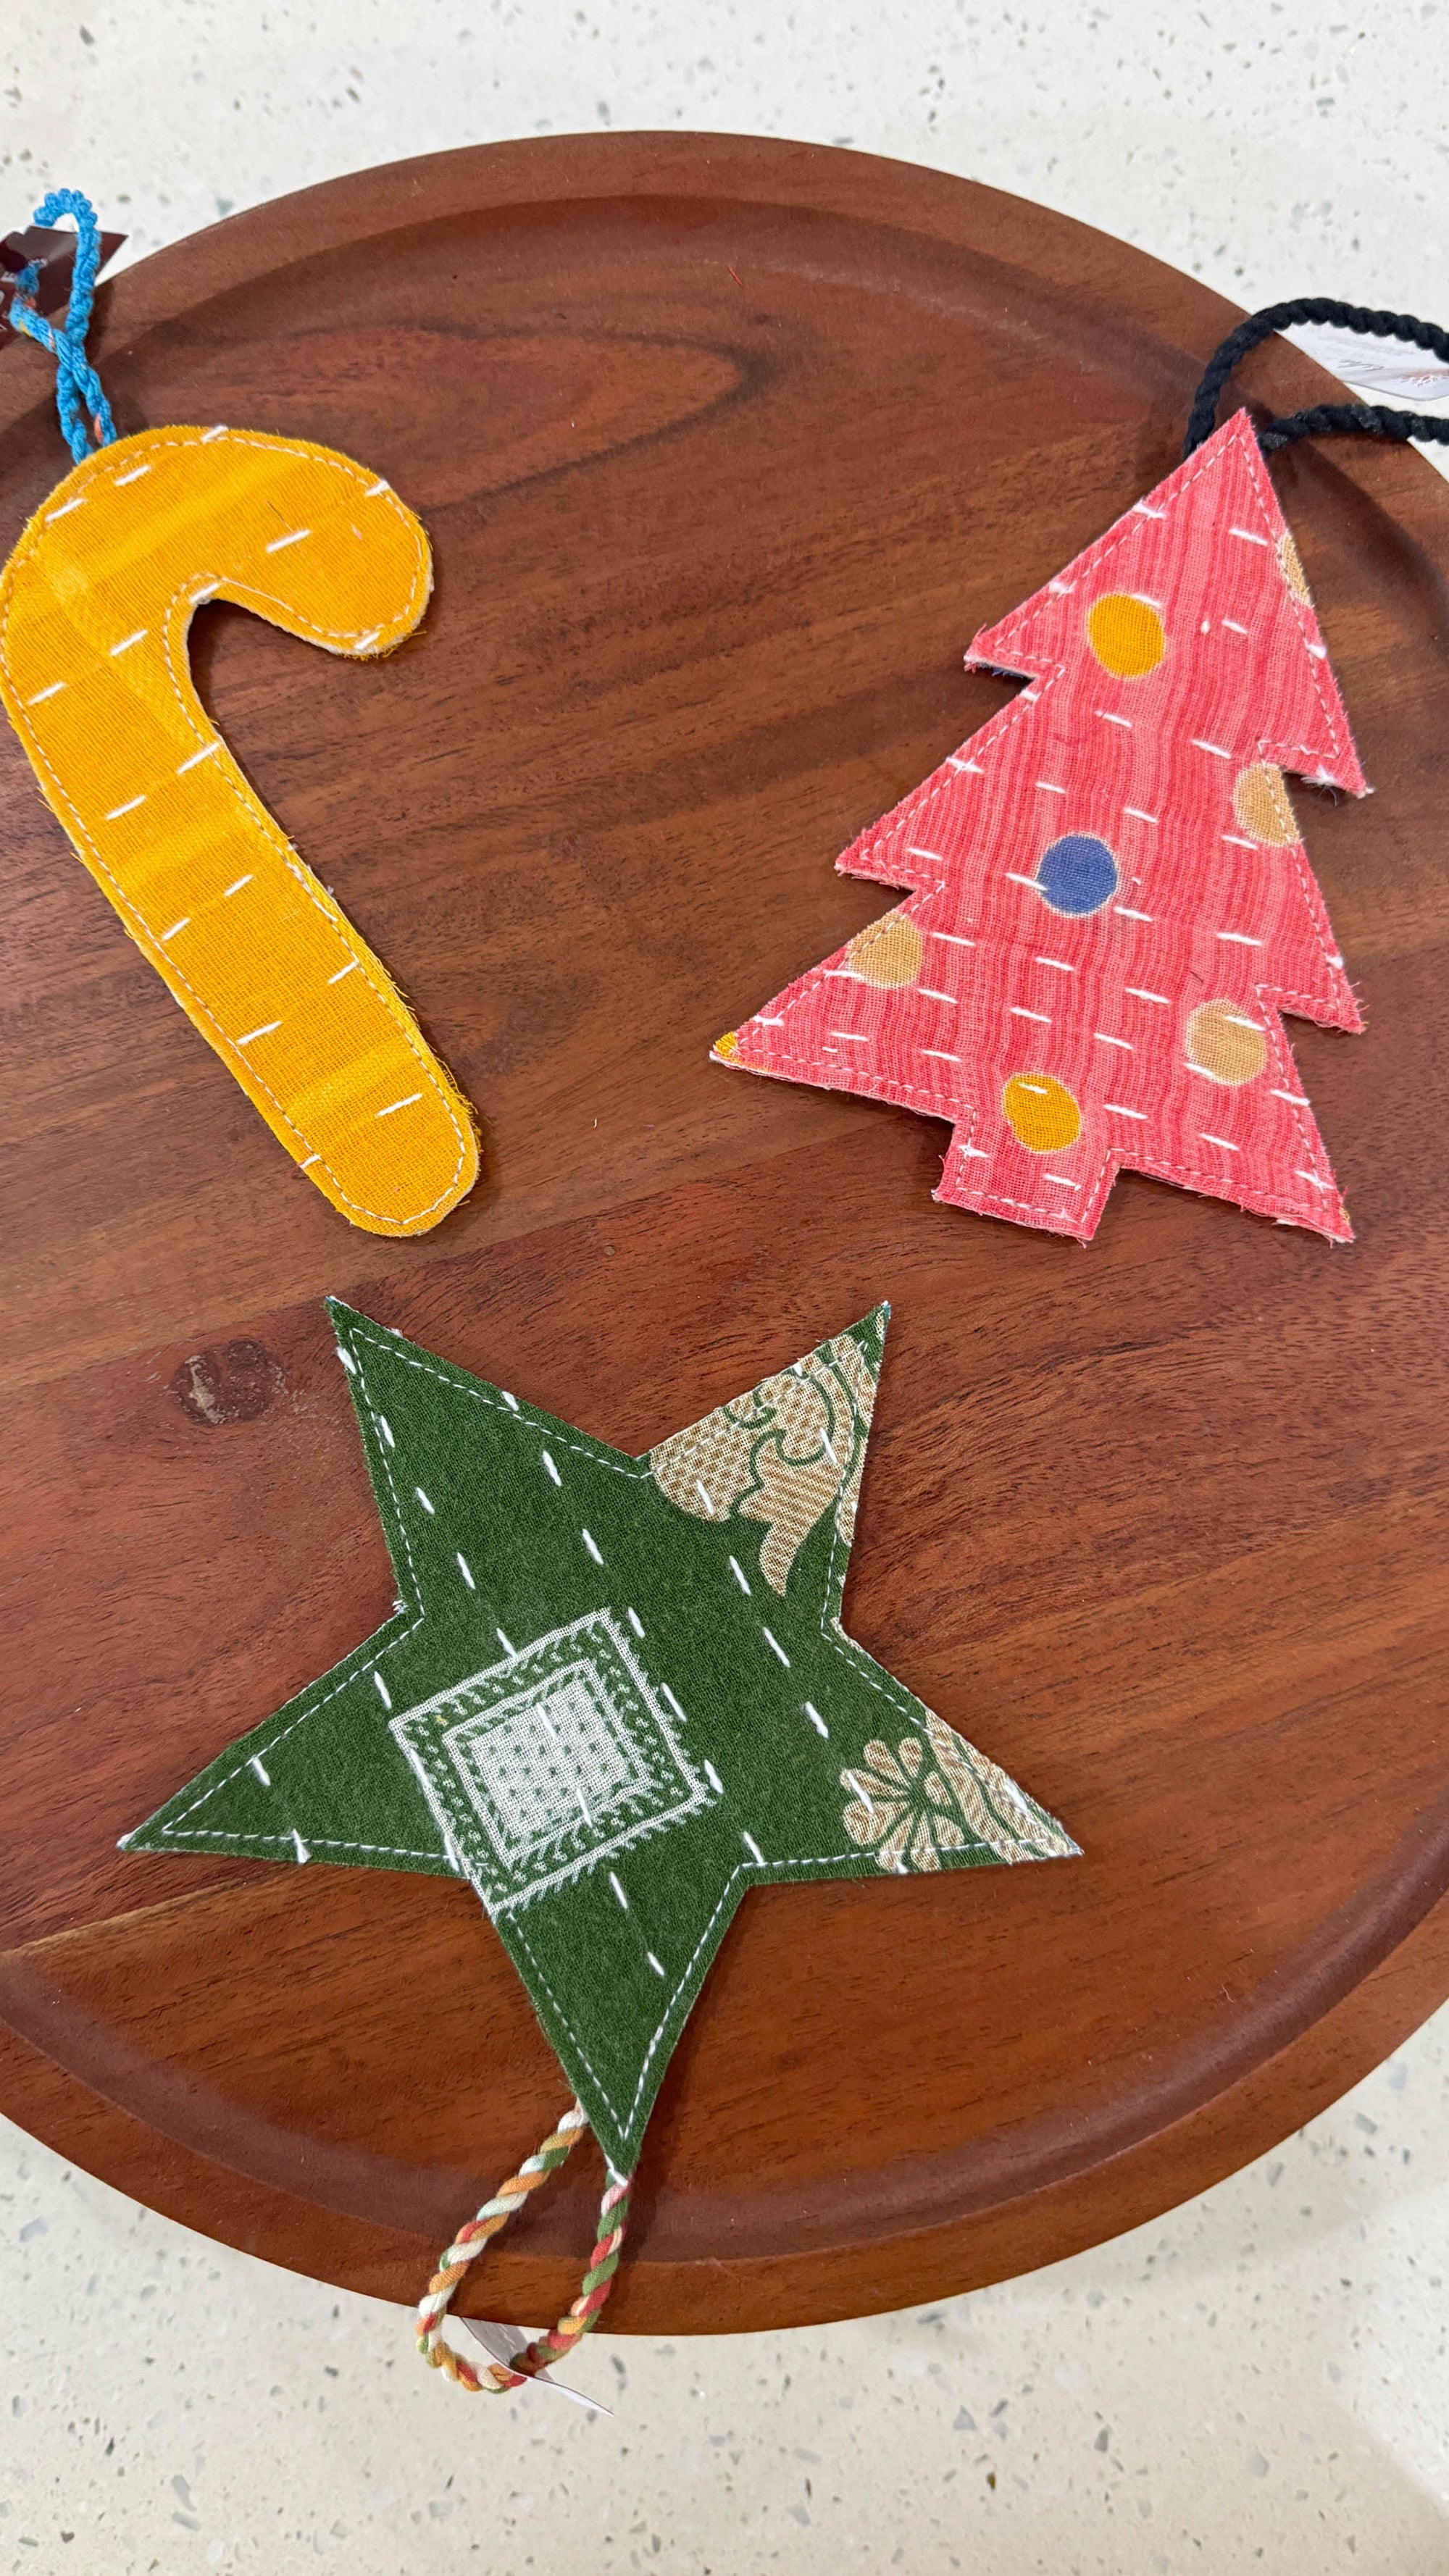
(726, 448)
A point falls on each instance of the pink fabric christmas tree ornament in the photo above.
(1110, 899)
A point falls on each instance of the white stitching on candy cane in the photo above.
(332, 639)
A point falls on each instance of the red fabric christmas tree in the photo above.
(1111, 902)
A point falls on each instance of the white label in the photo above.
(502, 2342)
(1392, 367)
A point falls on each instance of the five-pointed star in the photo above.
(615, 1693)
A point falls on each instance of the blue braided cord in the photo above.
(79, 394)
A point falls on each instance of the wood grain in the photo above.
(725, 448)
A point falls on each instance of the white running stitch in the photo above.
(868, 1670)
(333, 640)
(890, 826)
(905, 1705)
(636, 1468)
(1108, 543)
(320, 1842)
(352, 1672)
(579, 1715)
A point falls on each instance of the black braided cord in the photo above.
(1373, 420)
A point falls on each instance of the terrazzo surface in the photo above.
(1257, 2382)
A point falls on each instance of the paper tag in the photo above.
(1392, 367)
(501, 2342)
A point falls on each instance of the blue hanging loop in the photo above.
(79, 394)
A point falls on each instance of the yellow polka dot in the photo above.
(1224, 1041)
(889, 952)
(1041, 1113)
(1290, 564)
(1126, 634)
(1260, 802)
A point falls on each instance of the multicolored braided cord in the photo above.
(594, 2289)
(469, 2243)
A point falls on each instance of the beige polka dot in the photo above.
(1290, 563)
(1260, 802)
(889, 952)
(1224, 1041)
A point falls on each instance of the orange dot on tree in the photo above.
(1041, 1112)
(1126, 634)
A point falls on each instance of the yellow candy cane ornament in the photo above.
(95, 604)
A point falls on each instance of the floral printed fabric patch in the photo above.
(615, 1694)
(1111, 899)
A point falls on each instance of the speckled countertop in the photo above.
(1255, 2383)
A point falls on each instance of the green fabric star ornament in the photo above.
(615, 1694)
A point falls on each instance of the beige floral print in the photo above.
(911, 1805)
(782, 1454)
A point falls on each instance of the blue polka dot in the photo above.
(1077, 874)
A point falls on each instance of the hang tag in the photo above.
(55, 252)
(502, 2342)
(1392, 367)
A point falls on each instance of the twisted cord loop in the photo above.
(80, 396)
(1374, 420)
(469, 2243)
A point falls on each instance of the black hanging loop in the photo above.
(1373, 420)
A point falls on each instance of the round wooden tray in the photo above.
(726, 449)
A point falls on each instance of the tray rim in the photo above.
(1252, 2113)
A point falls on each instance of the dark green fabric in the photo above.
(614, 1694)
